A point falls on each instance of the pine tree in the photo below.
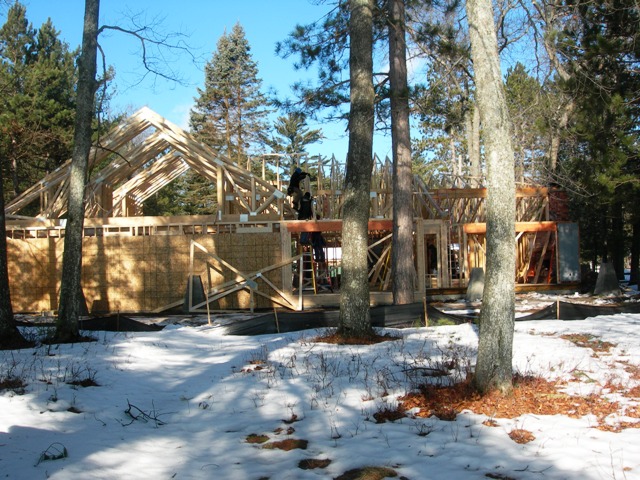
(292, 136)
(37, 82)
(599, 45)
(403, 271)
(355, 319)
(230, 112)
(528, 108)
(446, 105)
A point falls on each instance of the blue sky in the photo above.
(204, 21)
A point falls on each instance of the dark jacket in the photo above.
(296, 178)
(306, 210)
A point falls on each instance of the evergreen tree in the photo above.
(599, 44)
(354, 293)
(402, 264)
(10, 336)
(449, 126)
(37, 80)
(230, 112)
(169, 200)
(291, 138)
(442, 106)
(325, 44)
(528, 109)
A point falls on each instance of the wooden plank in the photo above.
(481, 228)
(297, 226)
(482, 192)
(541, 259)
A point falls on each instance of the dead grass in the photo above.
(287, 444)
(533, 395)
(368, 473)
(389, 415)
(586, 340)
(634, 392)
(632, 370)
(256, 438)
(85, 382)
(16, 385)
(341, 339)
(288, 431)
(313, 463)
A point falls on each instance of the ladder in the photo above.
(307, 274)
(313, 276)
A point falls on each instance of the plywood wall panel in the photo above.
(136, 273)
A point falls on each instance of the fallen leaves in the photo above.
(530, 395)
(587, 340)
(287, 444)
(520, 435)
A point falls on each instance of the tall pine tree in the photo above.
(355, 318)
(37, 101)
(291, 138)
(230, 112)
(599, 44)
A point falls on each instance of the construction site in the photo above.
(253, 253)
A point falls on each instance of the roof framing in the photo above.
(146, 152)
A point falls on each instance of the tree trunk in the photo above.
(556, 135)
(568, 107)
(472, 127)
(354, 291)
(71, 297)
(402, 264)
(617, 238)
(495, 347)
(634, 276)
(456, 165)
(10, 336)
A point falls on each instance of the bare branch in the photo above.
(159, 51)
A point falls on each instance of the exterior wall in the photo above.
(138, 273)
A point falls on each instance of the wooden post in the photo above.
(275, 314)
(206, 299)
(426, 314)
(222, 204)
(190, 278)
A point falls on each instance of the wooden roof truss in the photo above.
(145, 153)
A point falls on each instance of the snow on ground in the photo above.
(181, 403)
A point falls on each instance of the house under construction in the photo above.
(252, 253)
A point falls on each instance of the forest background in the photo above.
(570, 69)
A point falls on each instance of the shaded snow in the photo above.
(199, 393)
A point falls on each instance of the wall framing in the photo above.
(250, 246)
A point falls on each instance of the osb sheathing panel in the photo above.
(138, 274)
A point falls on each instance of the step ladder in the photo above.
(313, 275)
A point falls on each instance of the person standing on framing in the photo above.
(294, 190)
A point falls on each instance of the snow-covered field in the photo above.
(187, 401)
